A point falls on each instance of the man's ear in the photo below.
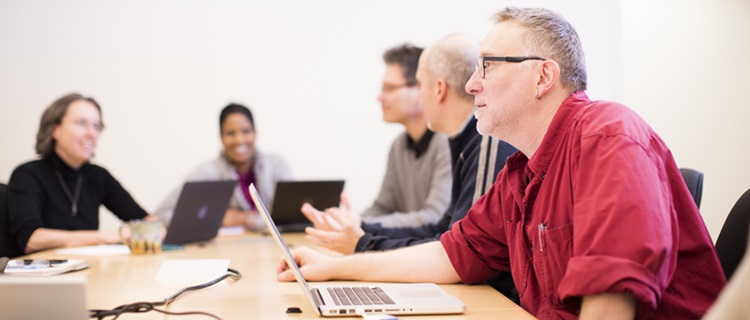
(442, 90)
(549, 73)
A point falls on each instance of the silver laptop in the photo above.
(199, 211)
(290, 195)
(27, 298)
(365, 298)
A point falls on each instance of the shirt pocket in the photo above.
(555, 249)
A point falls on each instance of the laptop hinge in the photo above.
(3, 263)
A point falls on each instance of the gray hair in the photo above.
(52, 116)
(550, 36)
(453, 59)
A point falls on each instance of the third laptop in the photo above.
(290, 195)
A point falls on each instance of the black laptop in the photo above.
(290, 195)
(199, 211)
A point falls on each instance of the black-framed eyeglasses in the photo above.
(392, 87)
(483, 60)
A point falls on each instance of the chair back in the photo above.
(733, 238)
(6, 241)
(694, 182)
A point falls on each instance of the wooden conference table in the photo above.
(122, 279)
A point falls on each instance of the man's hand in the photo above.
(319, 219)
(337, 229)
(314, 265)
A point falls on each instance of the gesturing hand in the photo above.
(337, 229)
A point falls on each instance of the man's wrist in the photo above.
(339, 269)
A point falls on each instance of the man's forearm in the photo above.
(608, 306)
(422, 263)
(383, 243)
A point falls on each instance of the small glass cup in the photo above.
(141, 236)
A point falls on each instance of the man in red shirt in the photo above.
(591, 216)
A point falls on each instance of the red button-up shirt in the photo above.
(600, 207)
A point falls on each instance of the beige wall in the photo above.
(686, 67)
(310, 70)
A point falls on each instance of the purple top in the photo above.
(245, 181)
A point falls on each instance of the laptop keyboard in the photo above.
(347, 296)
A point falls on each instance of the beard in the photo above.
(497, 124)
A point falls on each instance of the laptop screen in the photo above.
(280, 241)
(199, 211)
(290, 195)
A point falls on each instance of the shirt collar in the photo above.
(468, 130)
(54, 159)
(539, 162)
(421, 146)
(463, 128)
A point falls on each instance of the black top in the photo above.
(465, 153)
(419, 147)
(36, 198)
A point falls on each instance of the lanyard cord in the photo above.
(73, 198)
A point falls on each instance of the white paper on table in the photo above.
(231, 231)
(98, 250)
(192, 271)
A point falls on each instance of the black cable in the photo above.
(230, 273)
(142, 307)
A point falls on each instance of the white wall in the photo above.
(310, 70)
(686, 72)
